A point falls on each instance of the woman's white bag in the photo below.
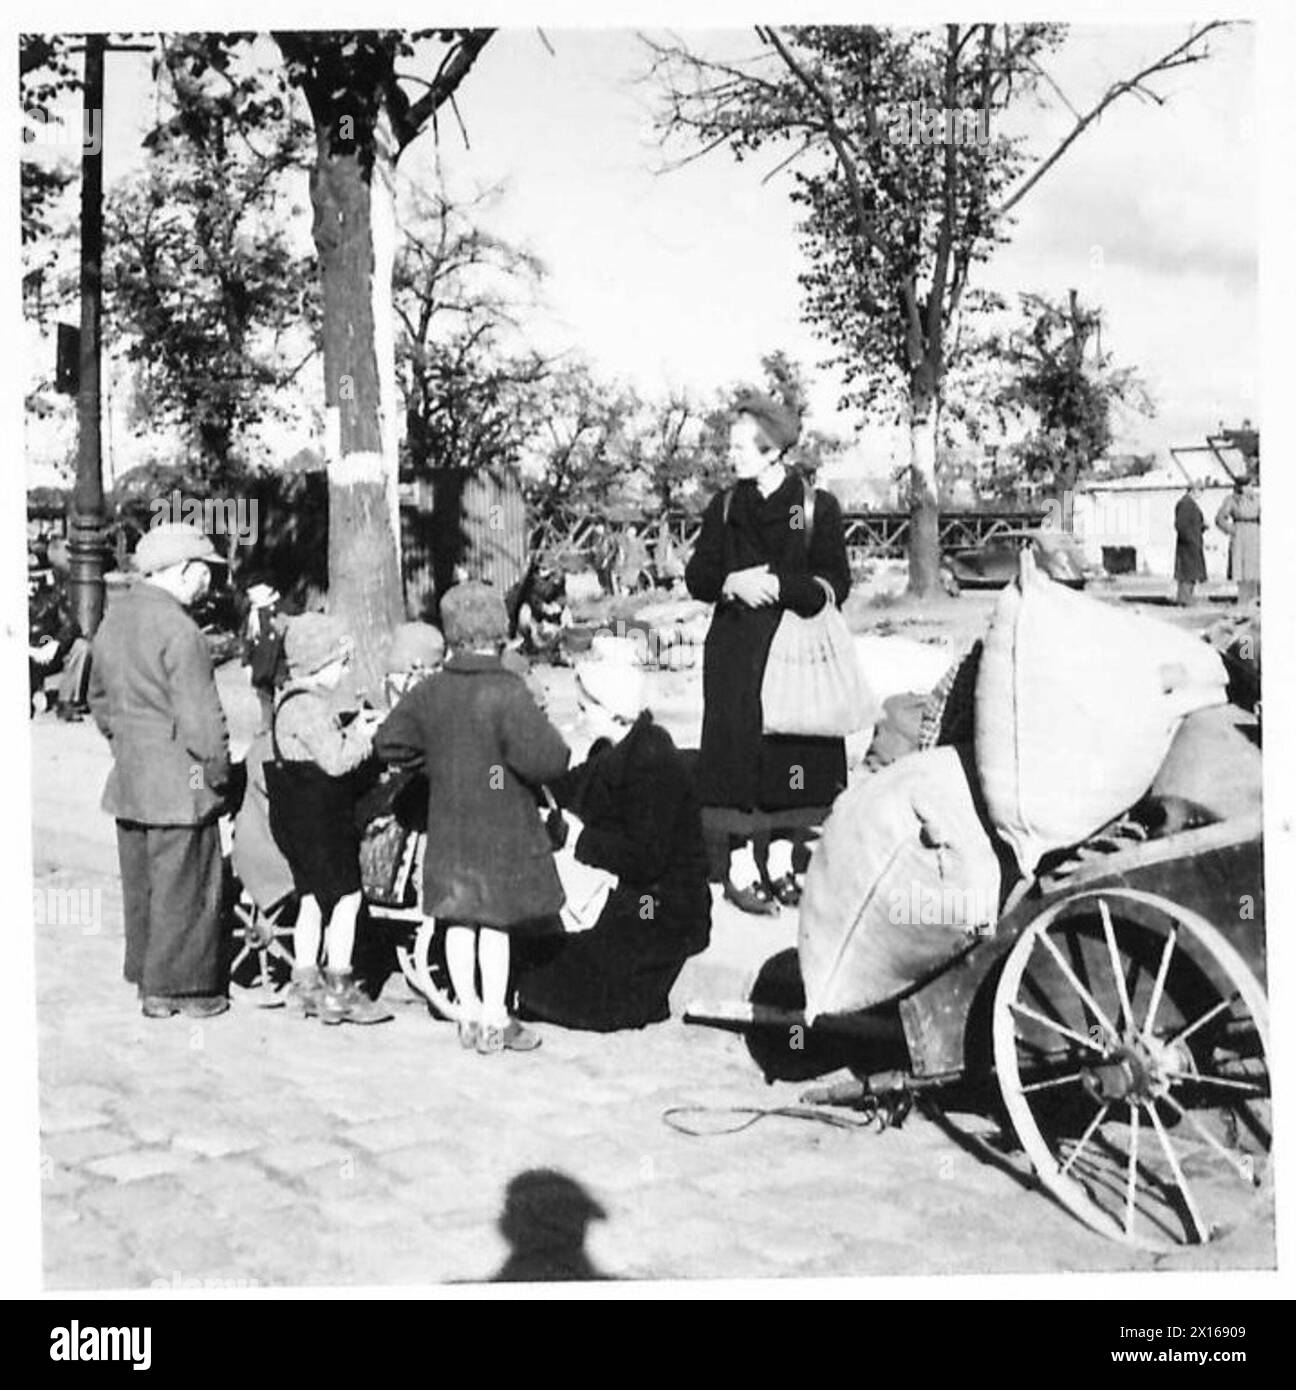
(813, 683)
(585, 889)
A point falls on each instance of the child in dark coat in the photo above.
(485, 748)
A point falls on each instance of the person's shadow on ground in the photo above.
(545, 1218)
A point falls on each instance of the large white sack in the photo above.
(898, 665)
(902, 878)
(1077, 702)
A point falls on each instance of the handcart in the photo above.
(1118, 1009)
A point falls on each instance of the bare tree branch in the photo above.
(783, 163)
(463, 129)
(1180, 55)
(453, 69)
(1041, 72)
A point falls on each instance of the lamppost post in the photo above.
(86, 539)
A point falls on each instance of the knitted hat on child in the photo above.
(473, 615)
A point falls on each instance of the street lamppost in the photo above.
(86, 539)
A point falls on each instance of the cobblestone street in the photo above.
(261, 1149)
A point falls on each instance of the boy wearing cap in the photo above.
(153, 695)
(313, 817)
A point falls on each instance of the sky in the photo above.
(686, 277)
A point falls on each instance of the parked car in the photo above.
(994, 563)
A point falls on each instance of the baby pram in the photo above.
(391, 861)
(265, 907)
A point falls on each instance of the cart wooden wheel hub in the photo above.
(1140, 1070)
(1116, 1079)
(1131, 1047)
(266, 939)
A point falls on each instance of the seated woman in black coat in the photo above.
(638, 819)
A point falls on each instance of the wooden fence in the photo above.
(461, 522)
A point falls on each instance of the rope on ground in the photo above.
(872, 1117)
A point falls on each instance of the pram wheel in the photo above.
(422, 962)
(261, 952)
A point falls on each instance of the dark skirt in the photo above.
(312, 819)
(740, 766)
(618, 974)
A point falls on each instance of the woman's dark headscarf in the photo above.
(780, 422)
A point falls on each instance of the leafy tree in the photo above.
(609, 453)
(579, 459)
(47, 71)
(470, 402)
(288, 506)
(901, 193)
(1060, 373)
(357, 88)
(680, 446)
(785, 379)
(219, 312)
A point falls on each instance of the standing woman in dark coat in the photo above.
(753, 562)
(639, 819)
(485, 748)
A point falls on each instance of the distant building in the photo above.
(1138, 513)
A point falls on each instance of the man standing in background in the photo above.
(1190, 551)
(1239, 519)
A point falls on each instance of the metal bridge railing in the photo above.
(869, 535)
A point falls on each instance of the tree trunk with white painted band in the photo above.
(355, 235)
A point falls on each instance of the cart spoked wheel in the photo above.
(1131, 1046)
(422, 962)
(263, 940)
